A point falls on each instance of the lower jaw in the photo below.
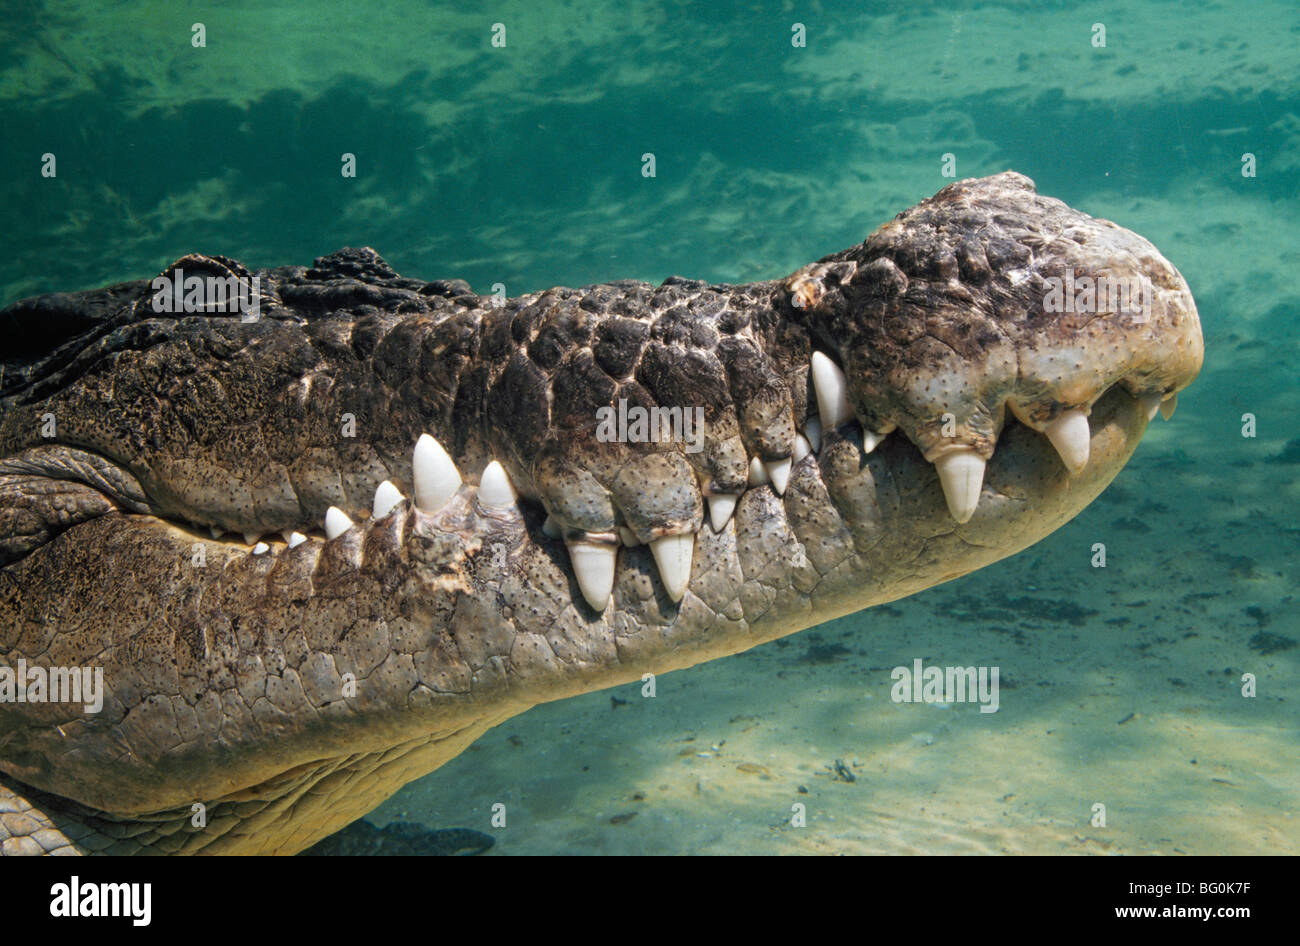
(782, 565)
(873, 526)
(899, 541)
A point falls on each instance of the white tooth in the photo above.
(387, 497)
(593, 564)
(494, 488)
(779, 471)
(832, 391)
(800, 449)
(251, 538)
(261, 548)
(871, 440)
(1168, 406)
(435, 474)
(757, 472)
(1150, 404)
(1071, 437)
(336, 522)
(721, 506)
(673, 556)
(551, 529)
(296, 539)
(813, 430)
(216, 533)
(628, 537)
(961, 473)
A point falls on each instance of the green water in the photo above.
(522, 164)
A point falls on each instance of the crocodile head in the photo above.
(316, 553)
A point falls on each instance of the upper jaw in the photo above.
(941, 326)
(989, 300)
(963, 311)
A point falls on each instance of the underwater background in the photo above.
(522, 164)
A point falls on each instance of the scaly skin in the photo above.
(226, 678)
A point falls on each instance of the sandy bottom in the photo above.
(1120, 687)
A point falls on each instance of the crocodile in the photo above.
(300, 554)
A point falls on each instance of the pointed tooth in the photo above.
(551, 528)
(871, 440)
(832, 391)
(387, 496)
(1071, 437)
(757, 472)
(1168, 406)
(435, 474)
(494, 488)
(813, 431)
(593, 565)
(216, 533)
(296, 539)
(961, 474)
(800, 448)
(251, 538)
(721, 506)
(673, 556)
(628, 537)
(261, 548)
(1150, 404)
(779, 472)
(336, 522)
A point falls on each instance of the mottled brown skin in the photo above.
(225, 681)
